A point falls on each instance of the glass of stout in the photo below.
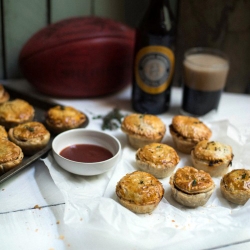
(205, 74)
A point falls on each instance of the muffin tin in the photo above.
(41, 106)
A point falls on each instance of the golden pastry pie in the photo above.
(213, 157)
(157, 159)
(3, 132)
(235, 186)
(187, 132)
(15, 112)
(30, 137)
(191, 187)
(139, 192)
(62, 118)
(11, 155)
(4, 95)
(143, 129)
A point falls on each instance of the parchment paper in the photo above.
(91, 202)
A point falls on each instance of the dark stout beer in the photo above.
(199, 102)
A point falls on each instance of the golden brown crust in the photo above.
(62, 118)
(235, 186)
(139, 191)
(192, 181)
(143, 129)
(157, 159)
(191, 128)
(15, 112)
(11, 155)
(187, 132)
(3, 132)
(4, 95)
(30, 137)
(191, 187)
(213, 157)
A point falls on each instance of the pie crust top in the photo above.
(9, 152)
(64, 117)
(213, 151)
(30, 131)
(158, 154)
(190, 128)
(237, 180)
(192, 181)
(3, 132)
(17, 111)
(145, 126)
(140, 188)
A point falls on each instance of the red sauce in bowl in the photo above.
(86, 153)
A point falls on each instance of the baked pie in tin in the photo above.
(157, 159)
(235, 186)
(213, 157)
(187, 131)
(139, 192)
(191, 187)
(30, 137)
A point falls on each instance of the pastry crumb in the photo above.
(61, 237)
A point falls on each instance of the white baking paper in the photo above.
(91, 202)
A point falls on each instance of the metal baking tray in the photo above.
(41, 106)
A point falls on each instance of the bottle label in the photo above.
(154, 68)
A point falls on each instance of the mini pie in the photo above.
(187, 132)
(157, 159)
(143, 129)
(30, 137)
(4, 95)
(235, 186)
(191, 187)
(62, 118)
(11, 155)
(213, 157)
(139, 192)
(15, 112)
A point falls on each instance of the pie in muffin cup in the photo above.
(191, 187)
(213, 157)
(142, 129)
(140, 192)
(187, 131)
(157, 159)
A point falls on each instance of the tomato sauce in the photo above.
(86, 153)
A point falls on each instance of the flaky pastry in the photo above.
(15, 112)
(143, 129)
(3, 132)
(139, 192)
(11, 155)
(30, 137)
(157, 159)
(62, 118)
(235, 186)
(187, 132)
(191, 187)
(213, 157)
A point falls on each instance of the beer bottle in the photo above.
(154, 59)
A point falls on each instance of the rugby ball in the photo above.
(79, 57)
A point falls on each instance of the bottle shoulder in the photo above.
(146, 38)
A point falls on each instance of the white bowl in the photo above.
(86, 136)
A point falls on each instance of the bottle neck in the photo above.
(158, 17)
